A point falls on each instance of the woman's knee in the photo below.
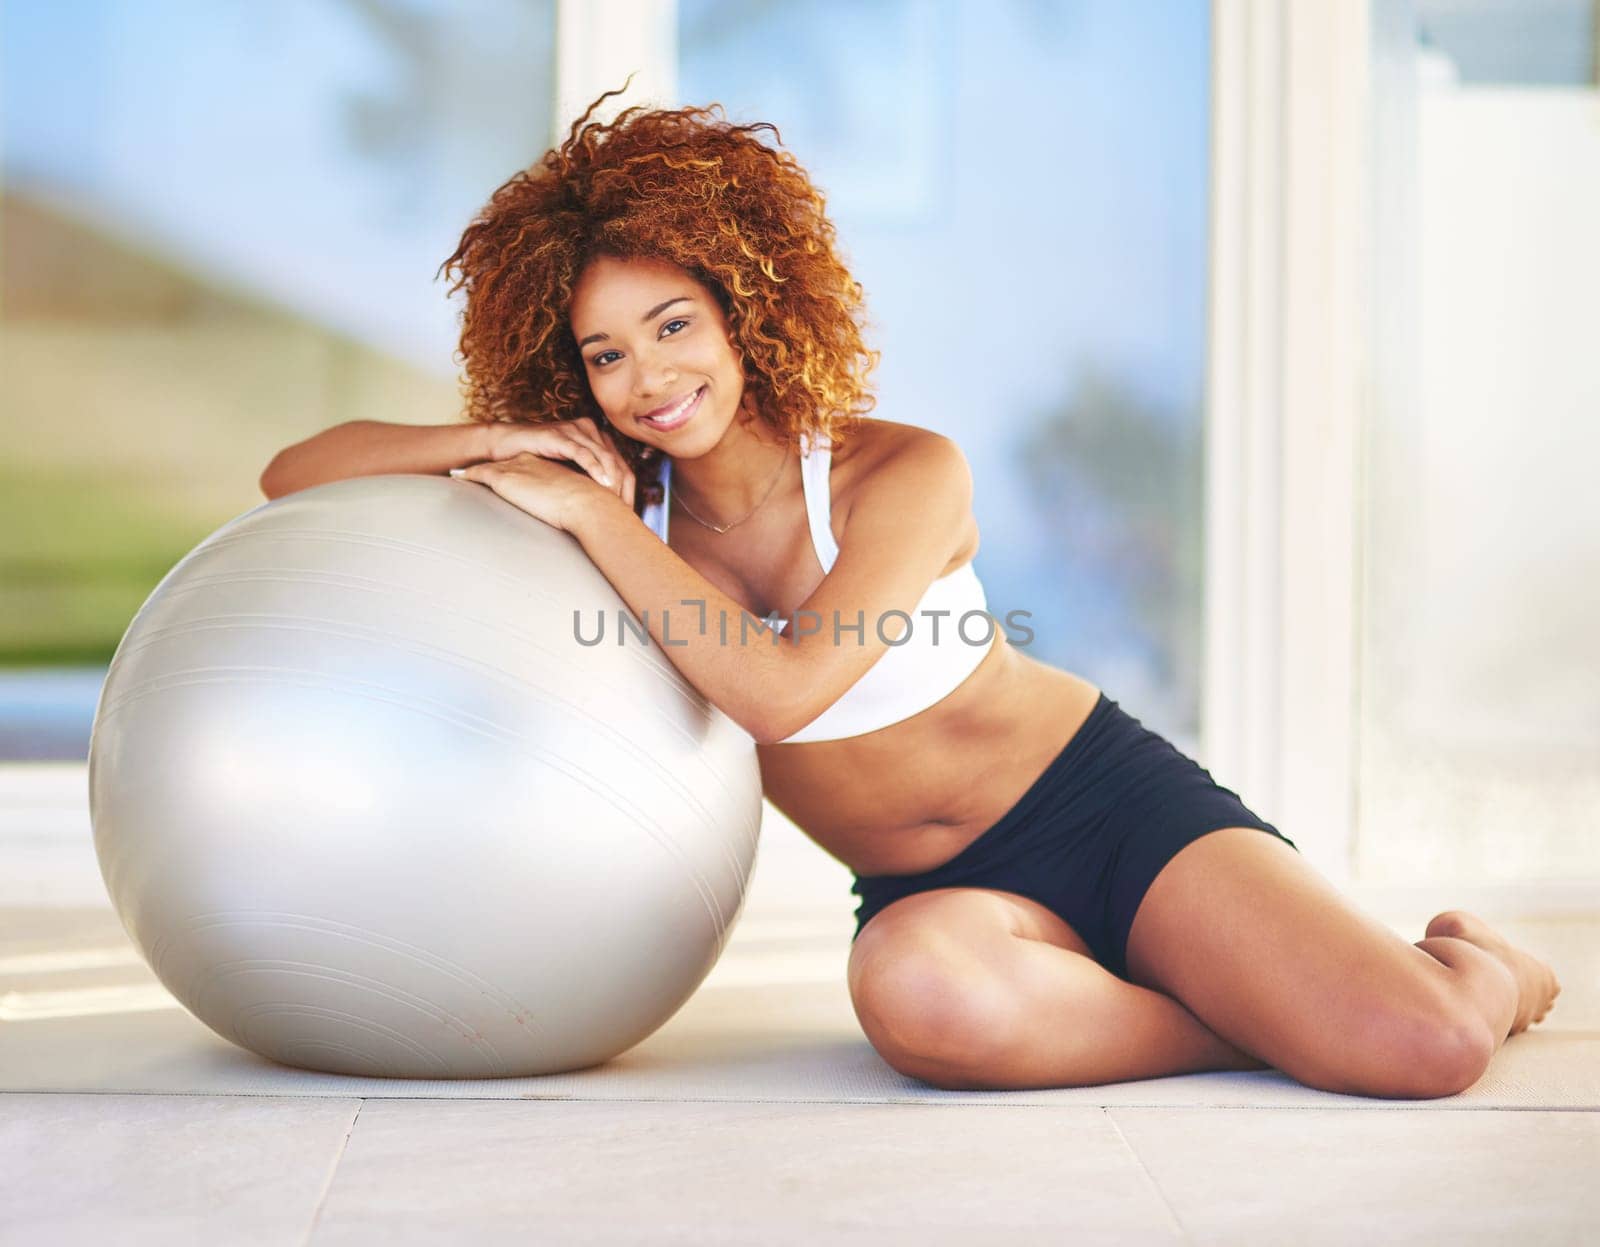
(1448, 1056)
(1419, 1059)
(923, 997)
(931, 1017)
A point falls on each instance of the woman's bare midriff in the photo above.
(910, 796)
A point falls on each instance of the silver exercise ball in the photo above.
(366, 805)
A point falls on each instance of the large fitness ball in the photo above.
(367, 805)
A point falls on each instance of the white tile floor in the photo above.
(168, 1169)
(130, 1169)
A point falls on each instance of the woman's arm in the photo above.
(373, 448)
(905, 523)
(740, 667)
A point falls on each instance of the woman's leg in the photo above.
(974, 989)
(1252, 939)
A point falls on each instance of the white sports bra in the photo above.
(913, 673)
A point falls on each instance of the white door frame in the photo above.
(1285, 405)
(599, 43)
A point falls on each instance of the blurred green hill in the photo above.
(139, 402)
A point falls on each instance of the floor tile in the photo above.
(133, 1169)
(487, 1173)
(1397, 1178)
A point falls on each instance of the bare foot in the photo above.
(1537, 987)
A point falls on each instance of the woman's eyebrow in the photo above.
(643, 320)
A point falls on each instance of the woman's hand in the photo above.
(579, 441)
(546, 489)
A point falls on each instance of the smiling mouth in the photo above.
(676, 415)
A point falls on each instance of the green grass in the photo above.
(78, 557)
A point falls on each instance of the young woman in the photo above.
(658, 327)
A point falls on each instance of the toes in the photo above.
(1452, 922)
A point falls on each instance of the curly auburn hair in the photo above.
(685, 186)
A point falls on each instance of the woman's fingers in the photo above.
(586, 429)
(568, 444)
(621, 473)
(581, 441)
(596, 466)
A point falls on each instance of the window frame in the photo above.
(1286, 400)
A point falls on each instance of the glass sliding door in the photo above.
(220, 227)
(1021, 188)
(1479, 723)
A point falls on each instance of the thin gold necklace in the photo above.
(722, 528)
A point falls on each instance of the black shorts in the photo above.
(1090, 835)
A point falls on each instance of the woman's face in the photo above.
(657, 354)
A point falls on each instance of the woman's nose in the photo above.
(654, 378)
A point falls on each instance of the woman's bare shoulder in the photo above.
(877, 443)
(872, 442)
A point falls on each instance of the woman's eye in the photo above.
(599, 360)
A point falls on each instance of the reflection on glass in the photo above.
(1480, 688)
(220, 227)
(1508, 42)
(1021, 189)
